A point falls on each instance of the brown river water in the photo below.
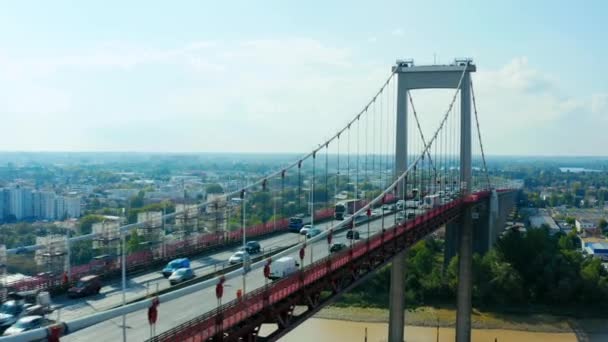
(325, 330)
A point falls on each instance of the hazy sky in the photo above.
(279, 76)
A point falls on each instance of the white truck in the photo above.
(431, 201)
(283, 267)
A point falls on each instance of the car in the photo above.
(376, 212)
(360, 218)
(181, 275)
(400, 216)
(174, 265)
(24, 324)
(312, 232)
(336, 247)
(253, 247)
(238, 257)
(352, 235)
(86, 286)
(305, 229)
(400, 204)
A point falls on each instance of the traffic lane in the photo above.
(142, 285)
(184, 309)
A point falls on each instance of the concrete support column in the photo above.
(397, 289)
(465, 265)
(396, 323)
(465, 278)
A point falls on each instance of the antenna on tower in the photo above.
(434, 58)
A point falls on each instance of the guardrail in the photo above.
(207, 326)
(81, 323)
(141, 260)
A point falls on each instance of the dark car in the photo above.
(352, 235)
(86, 286)
(253, 247)
(336, 247)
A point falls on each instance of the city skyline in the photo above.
(142, 80)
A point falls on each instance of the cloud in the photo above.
(223, 96)
(526, 111)
(275, 95)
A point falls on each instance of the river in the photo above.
(325, 330)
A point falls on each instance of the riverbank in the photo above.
(326, 330)
(446, 318)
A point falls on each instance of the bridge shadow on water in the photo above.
(590, 330)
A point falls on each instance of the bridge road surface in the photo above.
(177, 311)
(111, 294)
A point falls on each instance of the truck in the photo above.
(283, 267)
(21, 304)
(347, 207)
(431, 201)
(297, 222)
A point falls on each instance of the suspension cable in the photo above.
(483, 156)
(419, 128)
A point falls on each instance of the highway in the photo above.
(146, 283)
(192, 305)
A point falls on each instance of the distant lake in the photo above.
(577, 169)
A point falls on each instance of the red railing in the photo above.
(234, 312)
(168, 251)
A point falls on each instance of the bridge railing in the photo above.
(162, 253)
(236, 311)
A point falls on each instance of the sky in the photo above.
(280, 76)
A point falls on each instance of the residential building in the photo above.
(16, 203)
(597, 249)
(585, 225)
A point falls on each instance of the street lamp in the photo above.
(124, 283)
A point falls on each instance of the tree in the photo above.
(86, 223)
(214, 189)
(137, 201)
(602, 224)
(134, 242)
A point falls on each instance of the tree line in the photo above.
(534, 268)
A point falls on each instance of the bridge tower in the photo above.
(409, 77)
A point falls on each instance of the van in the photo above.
(283, 267)
(86, 286)
(174, 265)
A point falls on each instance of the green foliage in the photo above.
(137, 201)
(602, 224)
(86, 223)
(166, 206)
(532, 268)
(134, 242)
(214, 189)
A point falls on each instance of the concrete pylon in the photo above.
(427, 77)
(465, 250)
(397, 288)
(396, 325)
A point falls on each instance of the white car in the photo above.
(24, 324)
(238, 257)
(305, 229)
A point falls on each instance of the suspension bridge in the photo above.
(379, 158)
